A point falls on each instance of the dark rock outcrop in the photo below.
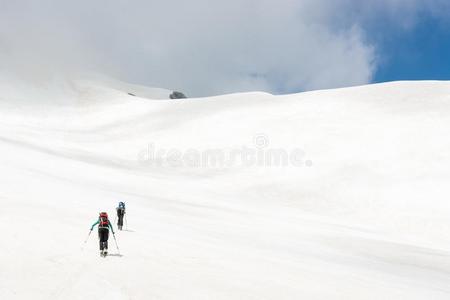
(177, 95)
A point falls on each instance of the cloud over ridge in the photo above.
(201, 47)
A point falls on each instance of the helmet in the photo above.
(121, 204)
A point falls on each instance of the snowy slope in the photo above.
(365, 216)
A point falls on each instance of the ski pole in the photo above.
(90, 231)
(85, 241)
(115, 241)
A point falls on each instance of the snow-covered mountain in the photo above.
(339, 194)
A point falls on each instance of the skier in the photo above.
(103, 232)
(120, 214)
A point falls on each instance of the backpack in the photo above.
(103, 220)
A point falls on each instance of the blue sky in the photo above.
(420, 53)
(204, 47)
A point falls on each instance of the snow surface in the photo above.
(365, 217)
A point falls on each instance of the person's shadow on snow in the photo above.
(116, 254)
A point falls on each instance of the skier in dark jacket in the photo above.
(103, 232)
(120, 214)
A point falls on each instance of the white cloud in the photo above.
(201, 47)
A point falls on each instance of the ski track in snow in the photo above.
(368, 220)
